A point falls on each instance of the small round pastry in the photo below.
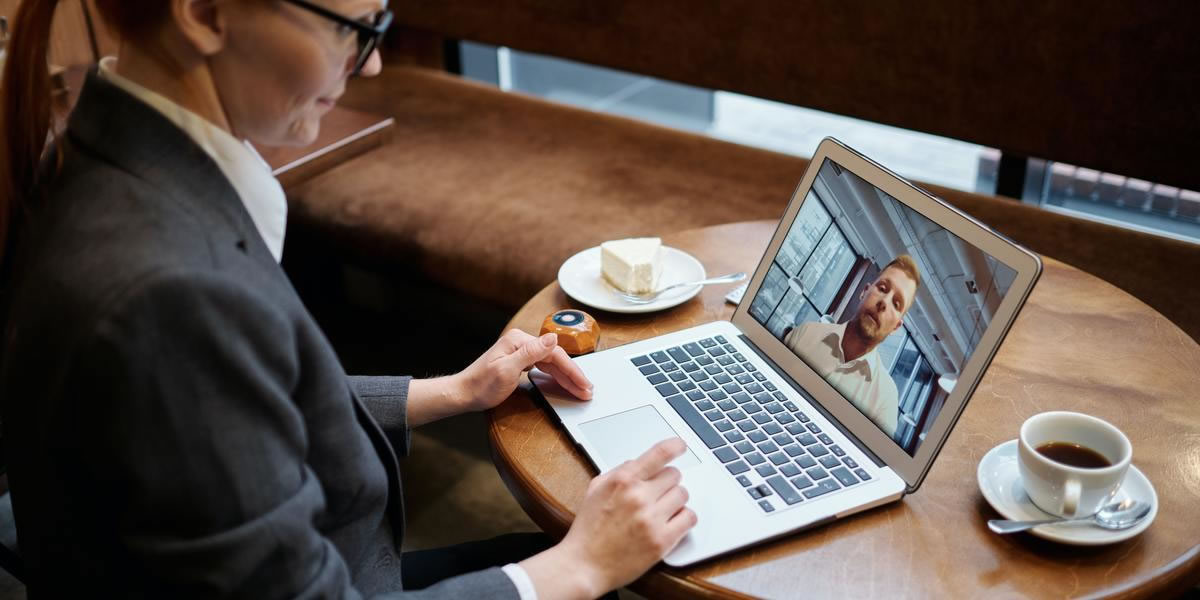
(577, 331)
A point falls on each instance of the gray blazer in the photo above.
(176, 424)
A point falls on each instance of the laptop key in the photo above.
(850, 462)
(795, 429)
(752, 408)
(788, 404)
(763, 399)
(742, 397)
(822, 488)
(693, 348)
(669, 366)
(745, 481)
(774, 407)
(825, 439)
(844, 476)
(761, 418)
(657, 378)
(698, 376)
(747, 425)
(767, 447)
(754, 493)
(725, 361)
(816, 473)
(765, 470)
(735, 370)
(758, 376)
(785, 418)
(818, 450)
(713, 370)
(755, 458)
(717, 395)
(785, 491)
(726, 405)
(667, 389)
(779, 396)
(737, 415)
(734, 436)
(659, 357)
(806, 462)
(837, 450)
(770, 387)
(689, 366)
(743, 378)
(765, 490)
(714, 415)
(806, 439)
(754, 388)
(756, 436)
(677, 375)
(778, 458)
(686, 386)
(737, 467)
(723, 425)
(695, 395)
(772, 429)
(648, 369)
(803, 418)
(731, 388)
(692, 417)
(813, 427)
(725, 454)
(722, 379)
(708, 386)
(707, 343)
(750, 367)
(721, 339)
(704, 405)
(766, 506)
(704, 361)
(679, 355)
(744, 447)
(718, 351)
(801, 482)
(789, 470)
(739, 357)
(793, 450)
(829, 462)
(729, 348)
(862, 474)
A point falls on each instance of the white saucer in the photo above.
(580, 278)
(1000, 482)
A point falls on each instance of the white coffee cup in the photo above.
(1066, 490)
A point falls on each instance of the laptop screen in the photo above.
(883, 303)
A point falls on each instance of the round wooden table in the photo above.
(1080, 344)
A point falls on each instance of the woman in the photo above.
(176, 423)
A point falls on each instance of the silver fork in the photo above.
(650, 297)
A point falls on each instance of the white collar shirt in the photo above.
(247, 172)
(863, 381)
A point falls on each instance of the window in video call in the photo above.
(881, 302)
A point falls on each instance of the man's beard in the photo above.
(869, 329)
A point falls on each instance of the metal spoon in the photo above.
(649, 297)
(1118, 515)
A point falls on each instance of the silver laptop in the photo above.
(865, 329)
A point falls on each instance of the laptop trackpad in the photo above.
(625, 436)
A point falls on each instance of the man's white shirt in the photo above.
(863, 381)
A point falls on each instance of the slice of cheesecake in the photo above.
(632, 265)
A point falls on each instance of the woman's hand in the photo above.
(494, 376)
(630, 518)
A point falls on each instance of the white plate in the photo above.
(1000, 482)
(580, 278)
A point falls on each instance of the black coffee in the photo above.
(1069, 453)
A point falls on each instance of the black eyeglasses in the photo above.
(369, 35)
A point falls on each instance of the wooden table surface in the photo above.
(1080, 344)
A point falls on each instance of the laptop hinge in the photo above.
(813, 402)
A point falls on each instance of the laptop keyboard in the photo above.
(771, 447)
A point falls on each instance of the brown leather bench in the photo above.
(486, 192)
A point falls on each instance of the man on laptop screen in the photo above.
(844, 354)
